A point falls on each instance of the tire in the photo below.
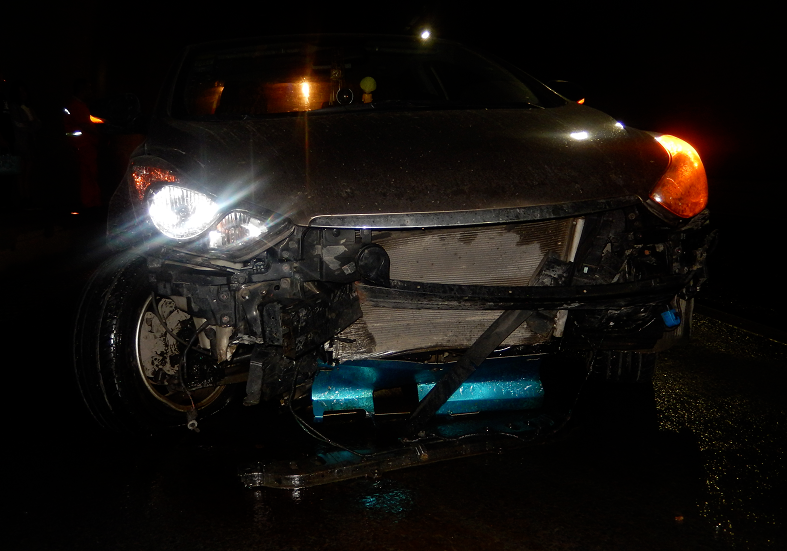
(122, 352)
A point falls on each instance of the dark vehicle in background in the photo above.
(350, 222)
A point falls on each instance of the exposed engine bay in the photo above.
(616, 280)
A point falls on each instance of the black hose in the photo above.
(182, 372)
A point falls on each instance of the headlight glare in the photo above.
(181, 213)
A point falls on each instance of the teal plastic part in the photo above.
(499, 384)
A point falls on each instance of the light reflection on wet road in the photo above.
(728, 389)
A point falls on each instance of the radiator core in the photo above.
(499, 255)
(503, 254)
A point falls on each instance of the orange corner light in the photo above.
(96, 120)
(143, 176)
(683, 189)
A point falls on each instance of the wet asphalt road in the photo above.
(697, 461)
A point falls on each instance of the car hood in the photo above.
(400, 161)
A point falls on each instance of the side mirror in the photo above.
(568, 90)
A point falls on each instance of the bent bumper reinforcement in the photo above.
(433, 296)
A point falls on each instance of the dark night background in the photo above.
(708, 75)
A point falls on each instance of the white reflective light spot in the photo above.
(425, 34)
(214, 239)
(235, 230)
(66, 111)
(76, 133)
(580, 135)
(619, 124)
(254, 231)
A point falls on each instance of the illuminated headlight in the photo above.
(181, 213)
(236, 230)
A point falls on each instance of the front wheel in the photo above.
(127, 363)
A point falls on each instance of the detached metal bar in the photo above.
(329, 467)
(492, 338)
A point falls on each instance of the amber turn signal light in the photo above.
(143, 176)
(683, 189)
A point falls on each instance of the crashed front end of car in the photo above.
(363, 254)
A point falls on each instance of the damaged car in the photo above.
(396, 226)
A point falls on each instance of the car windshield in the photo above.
(339, 73)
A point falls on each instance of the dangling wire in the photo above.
(162, 321)
(311, 431)
(182, 372)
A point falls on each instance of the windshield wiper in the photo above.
(406, 104)
(498, 105)
(391, 104)
(383, 105)
(446, 104)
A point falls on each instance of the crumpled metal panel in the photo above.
(351, 385)
(497, 384)
(511, 383)
(505, 254)
(386, 331)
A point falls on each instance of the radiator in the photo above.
(500, 255)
